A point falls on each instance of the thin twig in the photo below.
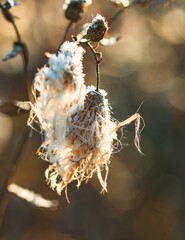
(16, 31)
(97, 65)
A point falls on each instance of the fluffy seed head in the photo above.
(89, 144)
(59, 91)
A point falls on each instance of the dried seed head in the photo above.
(59, 91)
(75, 8)
(89, 144)
(97, 29)
(90, 139)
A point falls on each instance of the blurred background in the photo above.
(146, 194)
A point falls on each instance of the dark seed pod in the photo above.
(97, 29)
(75, 9)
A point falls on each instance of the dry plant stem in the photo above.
(65, 34)
(4, 193)
(16, 31)
(97, 65)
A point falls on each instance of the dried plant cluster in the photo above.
(78, 132)
(76, 124)
(75, 121)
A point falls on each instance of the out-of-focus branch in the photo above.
(33, 198)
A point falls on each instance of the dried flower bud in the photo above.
(59, 90)
(17, 49)
(75, 8)
(9, 3)
(97, 29)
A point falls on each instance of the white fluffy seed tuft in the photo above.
(59, 91)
